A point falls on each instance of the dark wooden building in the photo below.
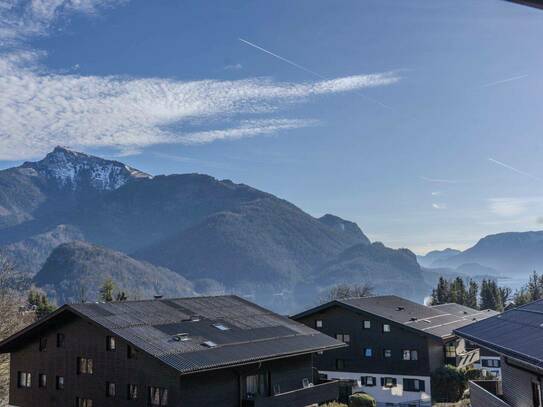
(393, 345)
(530, 3)
(517, 336)
(202, 351)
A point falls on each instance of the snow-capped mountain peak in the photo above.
(72, 169)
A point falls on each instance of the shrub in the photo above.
(448, 384)
(362, 400)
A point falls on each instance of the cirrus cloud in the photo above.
(40, 109)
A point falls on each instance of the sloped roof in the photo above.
(432, 321)
(531, 3)
(198, 333)
(517, 333)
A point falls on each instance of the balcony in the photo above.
(485, 393)
(467, 358)
(318, 393)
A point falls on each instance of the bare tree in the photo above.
(13, 318)
(343, 291)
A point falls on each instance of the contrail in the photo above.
(303, 68)
(526, 174)
(514, 78)
(288, 61)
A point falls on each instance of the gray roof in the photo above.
(248, 334)
(461, 310)
(531, 3)
(517, 333)
(433, 321)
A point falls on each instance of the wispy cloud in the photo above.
(436, 193)
(436, 205)
(504, 165)
(514, 206)
(40, 109)
(514, 78)
(233, 67)
(441, 180)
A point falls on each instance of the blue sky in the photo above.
(396, 131)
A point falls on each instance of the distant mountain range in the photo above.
(511, 253)
(73, 218)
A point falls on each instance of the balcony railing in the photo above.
(484, 393)
(319, 393)
(467, 358)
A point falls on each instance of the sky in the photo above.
(420, 120)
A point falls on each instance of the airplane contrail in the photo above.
(504, 165)
(288, 61)
(514, 78)
(303, 68)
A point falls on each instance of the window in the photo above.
(388, 382)
(536, 394)
(84, 366)
(60, 340)
(368, 352)
(343, 338)
(414, 355)
(132, 392)
(386, 327)
(110, 389)
(209, 344)
(340, 364)
(24, 379)
(221, 327)
(276, 389)
(410, 355)
(413, 385)
(158, 396)
(257, 385)
(42, 380)
(367, 324)
(318, 323)
(110, 343)
(80, 402)
(368, 380)
(490, 363)
(387, 353)
(60, 383)
(131, 352)
(450, 350)
(43, 344)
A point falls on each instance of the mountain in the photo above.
(77, 270)
(389, 271)
(429, 258)
(219, 235)
(509, 253)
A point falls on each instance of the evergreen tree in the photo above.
(40, 304)
(121, 296)
(441, 294)
(458, 294)
(471, 297)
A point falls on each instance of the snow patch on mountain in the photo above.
(73, 169)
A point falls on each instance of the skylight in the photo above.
(221, 327)
(210, 344)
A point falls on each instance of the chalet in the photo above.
(393, 345)
(517, 336)
(202, 351)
